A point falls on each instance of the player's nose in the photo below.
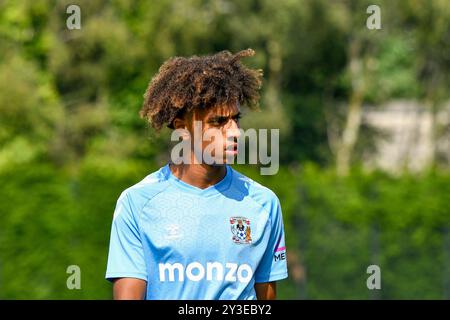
(234, 130)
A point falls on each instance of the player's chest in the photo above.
(208, 226)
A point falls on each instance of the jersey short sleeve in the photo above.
(126, 254)
(273, 265)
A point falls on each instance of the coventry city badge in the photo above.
(240, 228)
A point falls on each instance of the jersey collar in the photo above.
(215, 189)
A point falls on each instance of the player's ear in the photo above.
(179, 123)
(182, 120)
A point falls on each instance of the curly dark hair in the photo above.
(183, 84)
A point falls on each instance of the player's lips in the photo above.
(232, 149)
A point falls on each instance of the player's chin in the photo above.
(230, 156)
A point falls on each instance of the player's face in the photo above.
(224, 120)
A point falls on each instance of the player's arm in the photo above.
(129, 289)
(266, 290)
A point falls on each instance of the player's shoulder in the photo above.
(147, 188)
(254, 190)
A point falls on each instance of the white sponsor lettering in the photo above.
(195, 271)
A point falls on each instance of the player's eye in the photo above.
(219, 121)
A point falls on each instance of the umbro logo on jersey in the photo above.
(240, 229)
(173, 232)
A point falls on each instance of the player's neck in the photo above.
(199, 175)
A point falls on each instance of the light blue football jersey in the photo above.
(192, 243)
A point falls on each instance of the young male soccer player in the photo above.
(196, 230)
